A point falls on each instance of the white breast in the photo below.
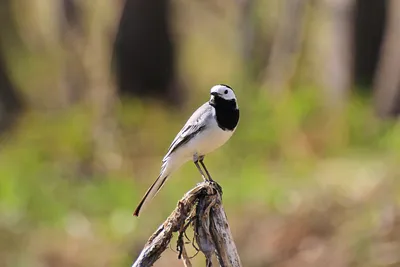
(211, 139)
(205, 142)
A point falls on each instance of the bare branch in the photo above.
(185, 258)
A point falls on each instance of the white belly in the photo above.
(209, 141)
(204, 143)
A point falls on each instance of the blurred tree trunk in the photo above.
(337, 62)
(10, 101)
(286, 45)
(246, 30)
(101, 25)
(87, 34)
(369, 25)
(144, 56)
(72, 81)
(387, 80)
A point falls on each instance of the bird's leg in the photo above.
(196, 162)
(219, 188)
(201, 159)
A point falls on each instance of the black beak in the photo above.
(212, 100)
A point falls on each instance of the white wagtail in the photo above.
(210, 126)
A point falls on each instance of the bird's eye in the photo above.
(226, 91)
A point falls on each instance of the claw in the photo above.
(216, 185)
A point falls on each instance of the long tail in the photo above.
(151, 192)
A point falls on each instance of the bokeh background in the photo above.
(93, 92)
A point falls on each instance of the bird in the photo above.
(209, 127)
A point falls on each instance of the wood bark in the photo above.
(202, 209)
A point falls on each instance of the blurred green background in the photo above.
(93, 92)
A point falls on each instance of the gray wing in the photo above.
(196, 123)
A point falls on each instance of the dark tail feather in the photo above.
(151, 192)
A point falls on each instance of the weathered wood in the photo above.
(223, 240)
(202, 209)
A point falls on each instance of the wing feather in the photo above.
(195, 124)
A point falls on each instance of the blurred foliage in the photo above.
(304, 184)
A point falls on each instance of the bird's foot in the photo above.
(216, 185)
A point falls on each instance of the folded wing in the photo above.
(195, 124)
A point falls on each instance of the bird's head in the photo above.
(222, 92)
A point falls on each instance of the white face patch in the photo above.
(223, 91)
